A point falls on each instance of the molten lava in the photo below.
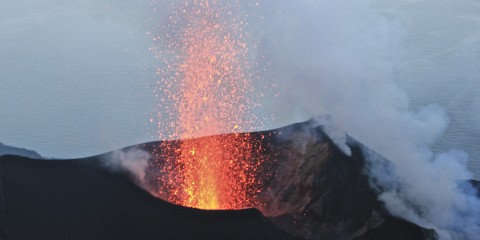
(206, 89)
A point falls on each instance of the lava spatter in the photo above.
(206, 88)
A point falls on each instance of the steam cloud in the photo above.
(337, 57)
(132, 160)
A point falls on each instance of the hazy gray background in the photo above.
(73, 77)
(76, 78)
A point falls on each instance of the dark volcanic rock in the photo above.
(78, 199)
(312, 190)
(319, 192)
(9, 150)
(398, 229)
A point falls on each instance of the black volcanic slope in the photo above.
(327, 197)
(78, 199)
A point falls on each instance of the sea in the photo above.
(441, 65)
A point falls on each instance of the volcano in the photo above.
(311, 188)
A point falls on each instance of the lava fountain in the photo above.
(206, 89)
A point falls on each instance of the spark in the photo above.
(207, 89)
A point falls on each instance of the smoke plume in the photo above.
(337, 57)
(133, 160)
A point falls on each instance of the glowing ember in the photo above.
(206, 90)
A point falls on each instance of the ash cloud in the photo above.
(338, 58)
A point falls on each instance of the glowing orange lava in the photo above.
(206, 89)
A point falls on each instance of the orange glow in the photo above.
(207, 90)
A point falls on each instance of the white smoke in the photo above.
(337, 57)
(131, 160)
(336, 135)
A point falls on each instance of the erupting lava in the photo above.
(206, 89)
